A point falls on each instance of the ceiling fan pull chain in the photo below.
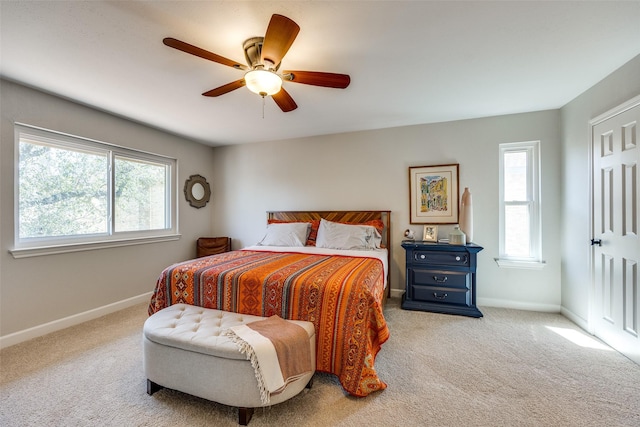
(263, 108)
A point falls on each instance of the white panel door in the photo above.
(615, 302)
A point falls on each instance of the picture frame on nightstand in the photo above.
(430, 233)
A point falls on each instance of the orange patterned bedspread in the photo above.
(341, 295)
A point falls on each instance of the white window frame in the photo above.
(534, 260)
(54, 245)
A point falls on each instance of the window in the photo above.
(73, 193)
(520, 231)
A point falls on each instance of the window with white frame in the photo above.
(73, 192)
(520, 230)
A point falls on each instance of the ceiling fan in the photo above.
(264, 55)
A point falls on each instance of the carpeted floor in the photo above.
(506, 369)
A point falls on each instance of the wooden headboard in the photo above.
(343, 216)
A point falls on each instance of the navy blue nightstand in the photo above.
(441, 278)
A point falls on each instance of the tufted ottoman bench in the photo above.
(184, 349)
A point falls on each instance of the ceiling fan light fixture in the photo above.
(263, 82)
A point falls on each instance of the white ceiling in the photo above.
(410, 62)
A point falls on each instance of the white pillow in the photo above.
(333, 235)
(286, 234)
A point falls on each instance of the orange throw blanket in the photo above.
(278, 350)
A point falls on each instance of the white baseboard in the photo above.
(584, 324)
(56, 325)
(493, 302)
(518, 305)
(397, 293)
(76, 319)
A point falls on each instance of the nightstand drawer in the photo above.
(441, 258)
(442, 278)
(441, 295)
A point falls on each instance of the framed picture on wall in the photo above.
(430, 233)
(434, 194)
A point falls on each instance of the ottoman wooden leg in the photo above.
(244, 416)
(153, 387)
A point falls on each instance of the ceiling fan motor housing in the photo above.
(252, 53)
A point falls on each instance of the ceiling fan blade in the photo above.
(225, 89)
(316, 78)
(284, 101)
(194, 50)
(280, 35)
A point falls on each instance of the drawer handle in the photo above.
(440, 280)
(439, 296)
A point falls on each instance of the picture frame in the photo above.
(434, 194)
(430, 233)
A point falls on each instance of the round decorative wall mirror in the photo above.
(197, 191)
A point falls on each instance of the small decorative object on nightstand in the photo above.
(457, 237)
(466, 214)
(408, 234)
(441, 278)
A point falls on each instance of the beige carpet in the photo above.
(506, 369)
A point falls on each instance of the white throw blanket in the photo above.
(279, 352)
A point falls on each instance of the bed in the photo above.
(341, 291)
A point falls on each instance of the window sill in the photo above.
(79, 247)
(529, 265)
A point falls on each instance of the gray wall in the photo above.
(44, 289)
(614, 90)
(360, 170)
(369, 170)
